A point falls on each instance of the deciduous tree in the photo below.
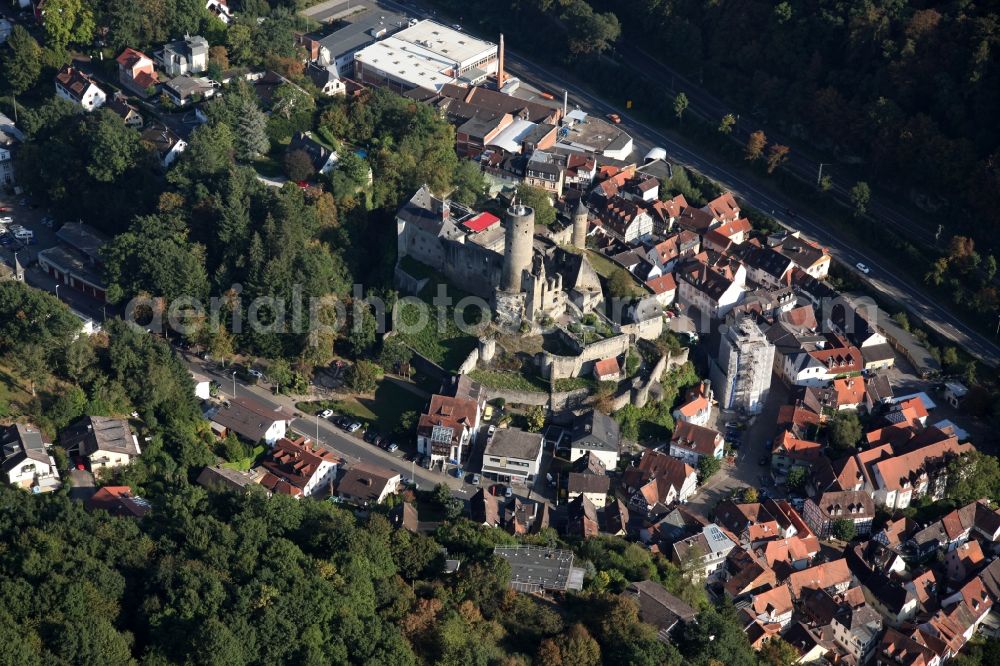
(22, 62)
(776, 156)
(755, 146)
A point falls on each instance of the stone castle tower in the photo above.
(581, 218)
(517, 245)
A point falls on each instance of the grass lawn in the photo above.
(268, 167)
(604, 266)
(574, 383)
(511, 381)
(442, 342)
(248, 462)
(383, 410)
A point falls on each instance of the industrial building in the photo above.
(355, 28)
(741, 375)
(426, 55)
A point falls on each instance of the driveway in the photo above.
(82, 482)
(745, 470)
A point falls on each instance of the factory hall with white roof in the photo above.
(426, 55)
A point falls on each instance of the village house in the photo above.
(513, 455)
(597, 434)
(697, 406)
(822, 512)
(704, 553)
(298, 468)
(447, 427)
(104, 443)
(659, 480)
(367, 485)
(248, 419)
(26, 460)
(77, 87)
(137, 73)
(691, 443)
(185, 56)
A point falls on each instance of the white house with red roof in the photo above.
(697, 407)
(296, 468)
(446, 428)
(692, 442)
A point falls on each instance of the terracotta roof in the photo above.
(296, 461)
(484, 508)
(734, 228)
(850, 391)
(820, 577)
(803, 316)
(895, 532)
(655, 474)
(118, 501)
(791, 549)
(698, 438)
(695, 404)
(775, 601)
(839, 360)
(724, 207)
(800, 449)
(663, 284)
(898, 648)
(969, 553)
(901, 471)
(74, 81)
(607, 367)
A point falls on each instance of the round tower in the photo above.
(580, 225)
(517, 245)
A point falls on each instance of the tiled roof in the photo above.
(902, 471)
(295, 461)
(697, 438)
(663, 284)
(775, 601)
(820, 577)
(607, 367)
(724, 207)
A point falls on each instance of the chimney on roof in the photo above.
(500, 73)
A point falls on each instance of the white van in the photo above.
(24, 235)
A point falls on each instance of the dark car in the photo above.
(764, 461)
(370, 435)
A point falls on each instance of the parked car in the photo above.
(488, 413)
(863, 268)
(256, 373)
(6, 220)
(342, 422)
(392, 448)
(353, 426)
(492, 429)
(370, 436)
(615, 118)
(475, 479)
(764, 461)
(326, 413)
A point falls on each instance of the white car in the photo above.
(258, 374)
(863, 268)
(354, 426)
(6, 220)
(326, 413)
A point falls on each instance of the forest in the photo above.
(909, 92)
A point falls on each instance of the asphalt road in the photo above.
(915, 299)
(923, 305)
(803, 160)
(345, 445)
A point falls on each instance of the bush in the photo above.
(844, 529)
(708, 466)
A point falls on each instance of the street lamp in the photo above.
(234, 383)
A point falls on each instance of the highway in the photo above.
(803, 160)
(917, 301)
(914, 297)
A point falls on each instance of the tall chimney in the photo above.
(500, 72)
